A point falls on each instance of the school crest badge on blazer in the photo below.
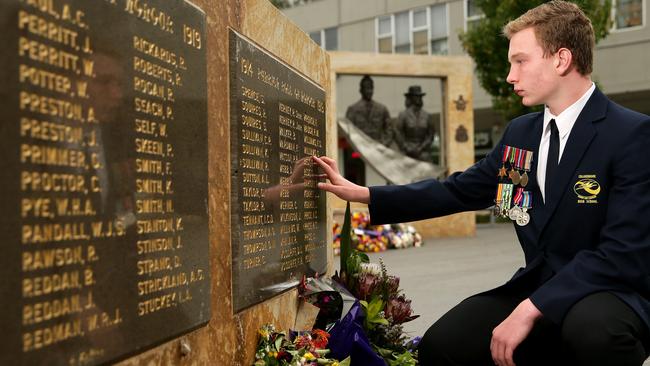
(587, 188)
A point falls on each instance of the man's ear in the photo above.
(563, 61)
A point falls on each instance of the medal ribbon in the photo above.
(519, 195)
(529, 160)
(513, 152)
(499, 192)
(527, 200)
(506, 152)
(506, 196)
(521, 154)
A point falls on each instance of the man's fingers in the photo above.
(328, 187)
(508, 356)
(501, 354)
(498, 351)
(331, 171)
(328, 160)
(337, 190)
(493, 350)
(331, 162)
(328, 169)
(341, 192)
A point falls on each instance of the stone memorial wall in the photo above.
(104, 170)
(133, 230)
(278, 221)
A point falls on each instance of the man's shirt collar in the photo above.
(567, 118)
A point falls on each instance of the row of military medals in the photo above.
(512, 182)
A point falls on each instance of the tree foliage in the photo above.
(485, 43)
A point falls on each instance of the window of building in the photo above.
(420, 31)
(627, 13)
(316, 37)
(439, 31)
(385, 34)
(327, 38)
(473, 14)
(331, 39)
(402, 33)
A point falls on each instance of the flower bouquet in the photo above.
(384, 307)
(370, 333)
(298, 349)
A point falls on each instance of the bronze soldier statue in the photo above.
(415, 128)
(369, 116)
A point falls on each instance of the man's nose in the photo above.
(511, 78)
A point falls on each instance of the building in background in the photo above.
(431, 27)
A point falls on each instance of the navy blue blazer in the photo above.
(590, 245)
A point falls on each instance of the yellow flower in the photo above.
(309, 356)
(264, 333)
(335, 363)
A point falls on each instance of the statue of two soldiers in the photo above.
(413, 131)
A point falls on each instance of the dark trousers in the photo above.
(598, 330)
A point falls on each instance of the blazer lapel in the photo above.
(582, 133)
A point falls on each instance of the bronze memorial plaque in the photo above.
(104, 178)
(277, 119)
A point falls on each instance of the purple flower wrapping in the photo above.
(347, 338)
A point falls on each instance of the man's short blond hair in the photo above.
(559, 24)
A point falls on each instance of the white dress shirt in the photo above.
(564, 121)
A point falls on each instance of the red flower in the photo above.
(399, 310)
(303, 341)
(320, 338)
(368, 284)
(284, 355)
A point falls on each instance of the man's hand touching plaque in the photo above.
(338, 185)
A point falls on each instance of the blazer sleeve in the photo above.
(621, 261)
(472, 189)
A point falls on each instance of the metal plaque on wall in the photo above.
(278, 223)
(104, 178)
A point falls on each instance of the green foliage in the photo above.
(346, 240)
(353, 263)
(485, 43)
(345, 362)
(404, 359)
(374, 315)
(393, 358)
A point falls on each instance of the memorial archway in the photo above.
(457, 115)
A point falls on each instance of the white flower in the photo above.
(371, 268)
